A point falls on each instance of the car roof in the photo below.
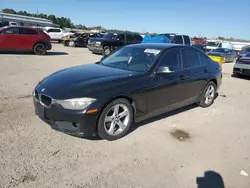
(156, 45)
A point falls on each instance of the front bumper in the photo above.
(242, 69)
(72, 122)
(95, 49)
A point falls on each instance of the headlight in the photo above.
(75, 104)
(98, 43)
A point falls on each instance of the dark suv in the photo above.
(111, 42)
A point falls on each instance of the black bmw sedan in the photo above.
(134, 83)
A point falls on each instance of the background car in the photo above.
(24, 38)
(80, 40)
(242, 66)
(56, 34)
(245, 50)
(132, 84)
(112, 41)
(196, 40)
(222, 55)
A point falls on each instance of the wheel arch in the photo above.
(38, 42)
(128, 98)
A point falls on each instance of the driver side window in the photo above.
(171, 59)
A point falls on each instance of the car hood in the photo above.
(216, 54)
(82, 78)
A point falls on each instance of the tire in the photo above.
(208, 95)
(40, 49)
(66, 43)
(106, 51)
(72, 44)
(109, 124)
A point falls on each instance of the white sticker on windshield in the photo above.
(152, 51)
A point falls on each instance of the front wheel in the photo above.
(40, 49)
(72, 44)
(208, 95)
(115, 120)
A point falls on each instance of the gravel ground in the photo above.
(155, 154)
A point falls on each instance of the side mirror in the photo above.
(164, 70)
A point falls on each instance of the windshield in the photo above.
(248, 55)
(212, 44)
(132, 58)
(221, 50)
(110, 36)
(247, 50)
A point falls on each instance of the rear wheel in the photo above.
(66, 43)
(208, 95)
(40, 49)
(115, 120)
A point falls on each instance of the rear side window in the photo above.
(10, 31)
(130, 38)
(186, 40)
(178, 39)
(191, 58)
(54, 31)
(121, 37)
(204, 59)
(171, 59)
(26, 31)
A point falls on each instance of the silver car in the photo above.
(242, 66)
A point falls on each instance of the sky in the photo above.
(210, 18)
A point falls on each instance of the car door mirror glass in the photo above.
(164, 70)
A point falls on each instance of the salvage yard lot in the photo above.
(34, 155)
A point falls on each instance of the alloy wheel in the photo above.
(40, 49)
(116, 119)
(209, 95)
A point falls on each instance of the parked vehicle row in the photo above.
(223, 55)
(24, 38)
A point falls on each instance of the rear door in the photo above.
(28, 37)
(9, 39)
(196, 72)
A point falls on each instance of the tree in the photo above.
(8, 11)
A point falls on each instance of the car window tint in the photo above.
(26, 31)
(178, 39)
(204, 59)
(57, 30)
(191, 58)
(138, 38)
(130, 37)
(11, 31)
(121, 37)
(171, 59)
(186, 40)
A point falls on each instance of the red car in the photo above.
(24, 38)
(198, 41)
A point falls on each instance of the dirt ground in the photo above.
(172, 150)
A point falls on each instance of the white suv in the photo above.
(56, 34)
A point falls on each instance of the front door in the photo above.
(168, 88)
